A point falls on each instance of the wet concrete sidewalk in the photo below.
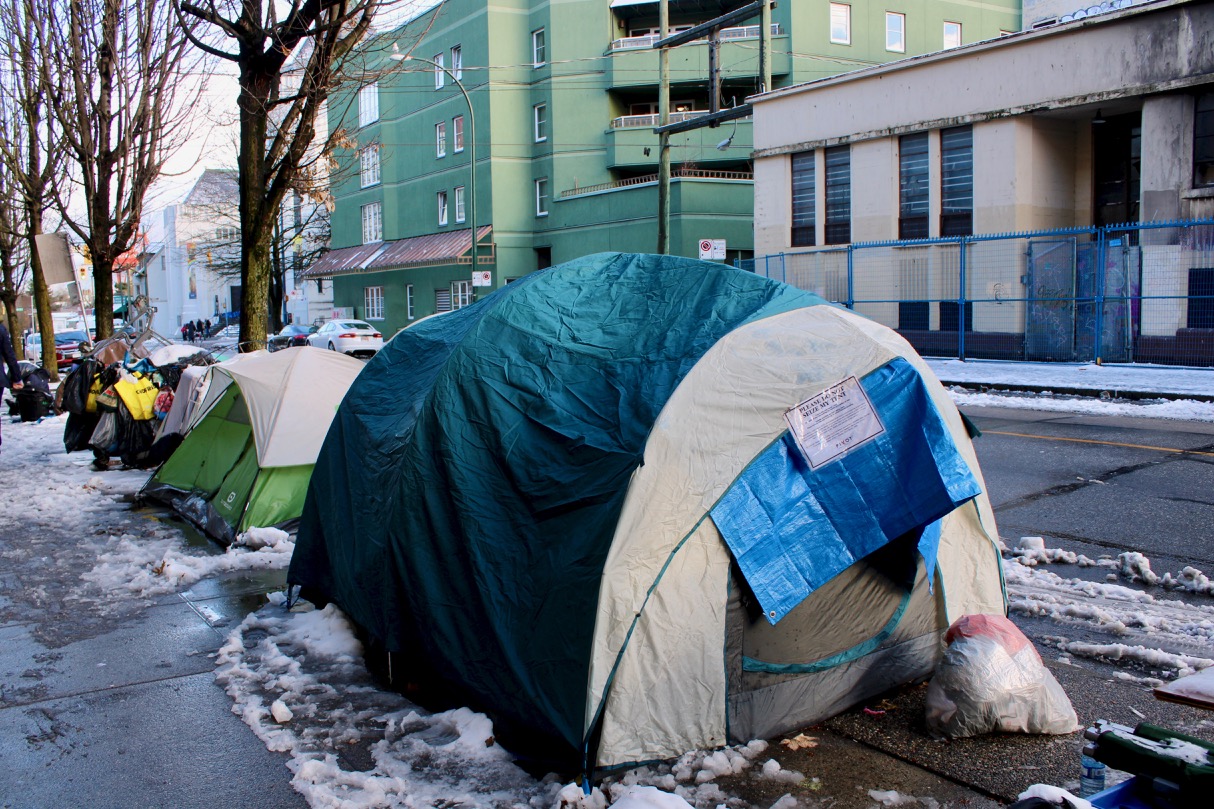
(111, 701)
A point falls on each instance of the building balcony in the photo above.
(634, 62)
(632, 144)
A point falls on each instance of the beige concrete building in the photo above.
(1099, 121)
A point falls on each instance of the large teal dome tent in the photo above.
(634, 505)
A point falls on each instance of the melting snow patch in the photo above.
(772, 771)
(1056, 795)
(892, 797)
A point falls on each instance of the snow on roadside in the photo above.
(1178, 409)
(1169, 636)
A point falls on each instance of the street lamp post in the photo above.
(397, 56)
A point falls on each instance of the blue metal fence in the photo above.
(1141, 292)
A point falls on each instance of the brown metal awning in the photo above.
(431, 250)
(343, 260)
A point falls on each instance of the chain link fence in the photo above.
(1127, 293)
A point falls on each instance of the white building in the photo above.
(1095, 122)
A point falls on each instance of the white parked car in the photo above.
(354, 337)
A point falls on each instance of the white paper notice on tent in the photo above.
(836, 421)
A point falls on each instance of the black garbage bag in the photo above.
(134, 439)
(34, 400)
(79, 430)
(75, 387)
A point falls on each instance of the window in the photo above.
(457, 133)
(440, 139)
(442, 208)
(895, 32)
(913, 183)
(543, 259)
(373, 303)
(457, 62)
(804, 217)
(539, 115)
(440, 75)
(952, 34)
(840, 23)
(368, 104)
(461, 294)
(539, 49)
(1201, 298)
(409, 301)
(957, 181)
(442, 300)
(373, 223)
(368, 160)
(226, 234)
(838, 194)
(459, 203)
(541, 196)
(1203, 141)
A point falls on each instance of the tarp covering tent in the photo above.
(634, 505)
(257, 426)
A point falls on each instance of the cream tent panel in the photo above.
(674, 661)
(292, 396)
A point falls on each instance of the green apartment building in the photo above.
(564, 94)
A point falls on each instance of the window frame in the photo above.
(914, 164)
(803, 218)
(900, 46)
(541, 199)
(457, 134)
(539, 48)
(409, 302)
(457, 62)
(440, 139)
(462, 293)
(373, 303)
(440, 75)
(845, 10)
(958, 222)
(368, 166)
(460, 210)
(372, 215)
(368, 113)
(539, 122)
(441, 199)
(1203, 140)
(959, 28)
(837, 230)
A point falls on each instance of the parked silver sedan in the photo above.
(354, 337)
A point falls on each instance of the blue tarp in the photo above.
(792, 528)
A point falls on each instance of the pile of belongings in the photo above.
(34, 400)
(117, 394)
(1170, 768)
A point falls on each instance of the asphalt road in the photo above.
(1100, 484)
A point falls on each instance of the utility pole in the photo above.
(715, 116)
(663, 136)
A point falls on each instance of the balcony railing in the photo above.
(741, 32)
(650, 121)
(701, 174)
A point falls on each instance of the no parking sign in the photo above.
(712, 249)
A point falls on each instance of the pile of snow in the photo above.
(1179, 409)
(891, 797)
(1056, 795)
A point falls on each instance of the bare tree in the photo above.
(121, 69)
(29, 160)
(278, 120)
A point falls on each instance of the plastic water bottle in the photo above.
(1091, 777)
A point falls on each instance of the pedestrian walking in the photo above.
(198, 332)
(188, 328)
(10, 374)
(207, 328)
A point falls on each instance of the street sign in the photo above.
(712, 249)
(482, 278)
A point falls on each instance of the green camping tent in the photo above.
(246, 460)
(635, 505)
